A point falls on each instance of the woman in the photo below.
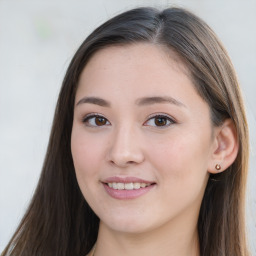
(148, 153)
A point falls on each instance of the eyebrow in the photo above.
(94, 100)
(140, 102)
(158, 99)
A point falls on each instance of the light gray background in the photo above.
(38, 40)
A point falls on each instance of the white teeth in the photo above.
(142, 185)
(127, 186)
(136, 185)
(120, 185)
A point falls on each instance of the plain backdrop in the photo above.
(37, 42)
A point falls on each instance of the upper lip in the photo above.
(126, 180)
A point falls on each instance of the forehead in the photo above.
(132, 53)
(133, 63)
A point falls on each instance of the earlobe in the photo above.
(225, 147)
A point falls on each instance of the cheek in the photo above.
(87, 157)
(86, 154)
(181, 161)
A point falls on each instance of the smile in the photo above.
(127, 186)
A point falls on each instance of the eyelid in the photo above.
(92, 114)
(162, 115)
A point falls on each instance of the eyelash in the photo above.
(167, 119)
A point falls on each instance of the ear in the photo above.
(225, 147)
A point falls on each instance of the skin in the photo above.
(177, 157)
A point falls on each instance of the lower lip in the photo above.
(127, 194)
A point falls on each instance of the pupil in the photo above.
(160, 121)
(100, 121)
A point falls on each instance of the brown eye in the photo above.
(100, 121)
(95, 121)
(160, 121)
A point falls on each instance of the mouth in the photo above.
(127, 188)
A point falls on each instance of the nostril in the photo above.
(130, 162)
(122, 164)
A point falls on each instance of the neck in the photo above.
(171, 240)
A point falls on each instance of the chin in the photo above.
(130, 224)
(129, 228)
(126, 223)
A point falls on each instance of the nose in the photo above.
(125, 148)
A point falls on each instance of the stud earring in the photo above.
(217, 167)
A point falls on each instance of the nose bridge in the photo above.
(125, 146)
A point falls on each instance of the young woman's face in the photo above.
(142, 139)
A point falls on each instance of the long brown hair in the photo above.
(60, 222)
